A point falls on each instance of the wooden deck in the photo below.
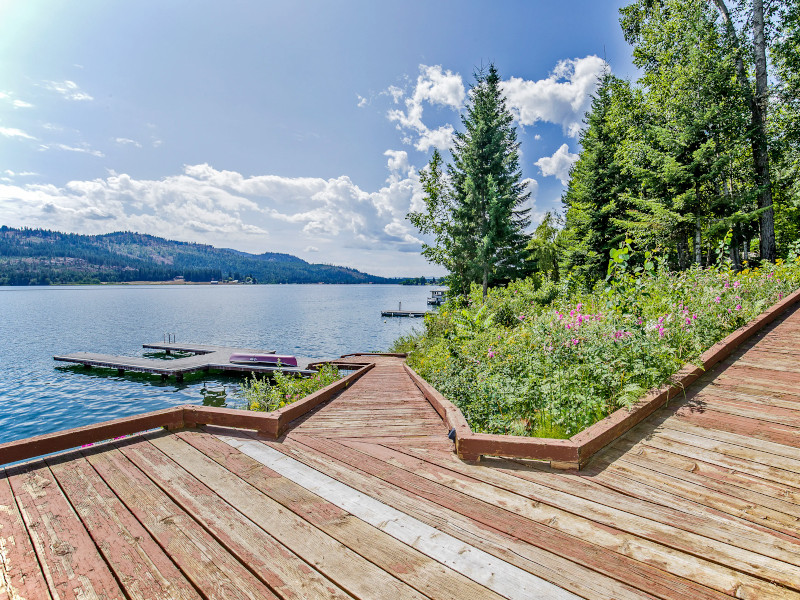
(364, 498)
(204, 358)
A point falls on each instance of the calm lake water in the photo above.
(39, 395)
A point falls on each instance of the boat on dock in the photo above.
(263, 359)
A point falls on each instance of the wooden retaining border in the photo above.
(272, 424)
(576, 451)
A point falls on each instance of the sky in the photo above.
(263, 126)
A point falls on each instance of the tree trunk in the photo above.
(485, 279)
(735, 258)
(758, 112)
(760, 150)
(698, 249)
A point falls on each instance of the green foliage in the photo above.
(549, 359)
(543, 248)
(261, 394)
(474, 213)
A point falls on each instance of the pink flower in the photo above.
(490, 354)
(736, 284)
(717, 299)
(660, 332)
(575, 341)
(521, 317)
(569, 325)
(738, 307)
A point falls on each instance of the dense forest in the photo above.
(42, 257)
(700, 155)
(695, 160)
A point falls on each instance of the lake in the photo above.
(39, 395)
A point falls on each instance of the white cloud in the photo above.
(362, 101)
(532, 186)
(68, 89)
(22, 104)
(12, 132)
(562, 98)
(127, 142)
(433, 86)
(227, 208)
(397, 164)
(85, 149)
(559, 164)
(396, 93)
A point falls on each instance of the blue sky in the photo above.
(295, 127)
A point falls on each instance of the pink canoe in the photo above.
(264, 359)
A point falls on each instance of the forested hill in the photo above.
(42, 257)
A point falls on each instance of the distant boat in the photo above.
(437, 297)
(263, 359)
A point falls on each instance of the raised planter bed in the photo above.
(576, 451)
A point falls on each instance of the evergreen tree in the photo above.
(594, 194)
(476, 214)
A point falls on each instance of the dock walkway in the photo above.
(364, 498)
(204, 358)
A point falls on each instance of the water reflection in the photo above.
(214, 396)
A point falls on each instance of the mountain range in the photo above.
(43, 257)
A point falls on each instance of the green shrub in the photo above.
(262, 395)
(551, 360)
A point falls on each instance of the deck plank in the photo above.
(405, 563)
(138, 562)
(619, 531)
(581, 551)
(479, 566)
(350, 571)
(202, 559)
(513, 477)
(20, 573)
(71, 563)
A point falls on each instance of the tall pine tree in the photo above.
(595, 193)
(478, 212)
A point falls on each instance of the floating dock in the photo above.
(204, 358)
(404, 313)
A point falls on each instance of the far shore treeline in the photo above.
(42, 257)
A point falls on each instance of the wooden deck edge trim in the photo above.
(724, 348)
(73, 438)
(271, 424)
(575, 452)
